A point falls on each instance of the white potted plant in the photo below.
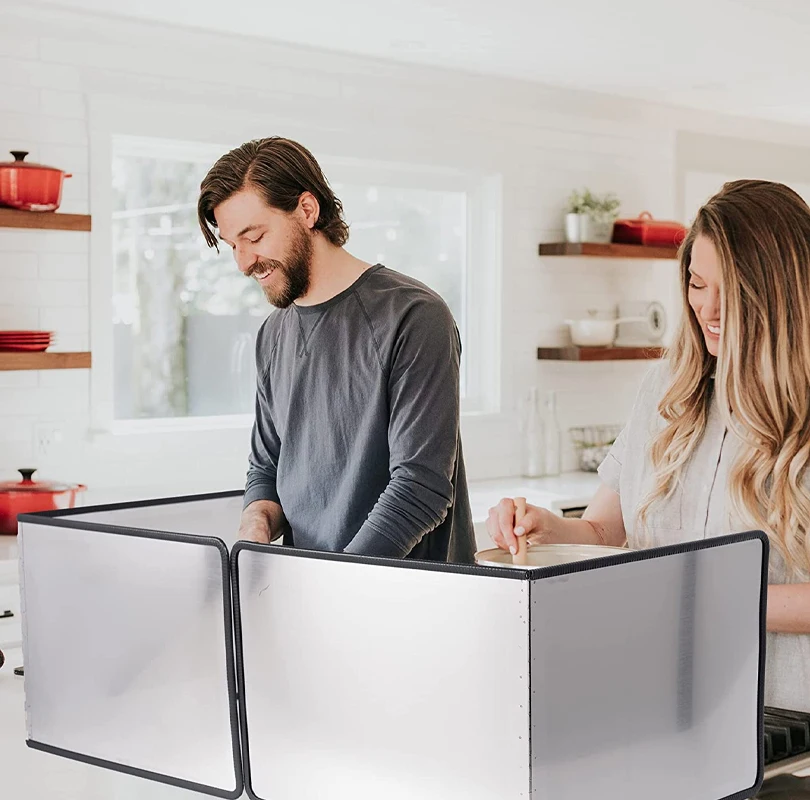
(590, 217)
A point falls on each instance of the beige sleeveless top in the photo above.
(697, 510)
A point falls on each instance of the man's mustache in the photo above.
(263, 266)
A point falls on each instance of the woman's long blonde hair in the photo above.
(761, 231)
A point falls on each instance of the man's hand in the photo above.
(262, 521)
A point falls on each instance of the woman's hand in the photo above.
(602, 523)
(538, 525)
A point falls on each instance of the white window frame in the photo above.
(111, 118)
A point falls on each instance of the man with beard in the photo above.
(356, 445)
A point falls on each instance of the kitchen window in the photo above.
(184, 319)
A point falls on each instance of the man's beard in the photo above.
(295, 271)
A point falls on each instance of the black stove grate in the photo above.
(787, 734)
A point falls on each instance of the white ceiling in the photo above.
(748, 57)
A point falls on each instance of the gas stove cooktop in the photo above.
(787, 751)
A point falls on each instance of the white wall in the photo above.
(70, 81)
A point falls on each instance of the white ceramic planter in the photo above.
(585, 228)
(574, 224)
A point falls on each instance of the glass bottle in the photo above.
(553, 436)
(533, 461)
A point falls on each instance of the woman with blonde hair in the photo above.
(719, 436)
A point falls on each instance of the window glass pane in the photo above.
(185, 319)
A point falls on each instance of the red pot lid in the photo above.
(29, 485)
(19, 163)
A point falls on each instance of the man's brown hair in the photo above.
(281, 170)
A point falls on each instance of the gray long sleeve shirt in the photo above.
(357, 423)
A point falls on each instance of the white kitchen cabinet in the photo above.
(10, 629)
(10, 632)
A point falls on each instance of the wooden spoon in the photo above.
(521, 557)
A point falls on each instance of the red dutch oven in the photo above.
(648, 231)
(30, 187)
(28, 496)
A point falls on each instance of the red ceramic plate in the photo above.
(26, 333)
(26, 348)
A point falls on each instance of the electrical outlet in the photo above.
(47, 437)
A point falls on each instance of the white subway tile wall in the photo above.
(542, 142)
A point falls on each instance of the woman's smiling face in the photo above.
(704, 291)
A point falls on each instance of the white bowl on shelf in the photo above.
(592, 332)
(596, 332)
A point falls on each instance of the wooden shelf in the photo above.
(46, 360)
(598, 353)
(607, 250)
(45, 220)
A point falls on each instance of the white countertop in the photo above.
(8, 549)
(568, 489)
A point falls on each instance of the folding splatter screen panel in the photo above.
(367, 678)
(646, 677)
(370, 680)
(128, 655)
